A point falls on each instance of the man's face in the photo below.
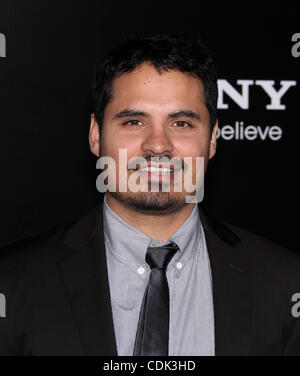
(154, 114)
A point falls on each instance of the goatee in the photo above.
(151, 202)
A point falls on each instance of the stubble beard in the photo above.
(151, 202)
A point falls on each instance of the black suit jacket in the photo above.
(58, 300)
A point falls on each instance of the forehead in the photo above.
(146, 86)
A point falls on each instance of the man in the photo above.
(145, 272)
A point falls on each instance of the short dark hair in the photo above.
(163, 52)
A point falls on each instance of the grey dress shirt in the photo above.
(191, 329)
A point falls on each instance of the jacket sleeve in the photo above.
(8, 274)
(293, 346)
(7, 342)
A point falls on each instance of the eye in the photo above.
(133, 123)
(182, 124)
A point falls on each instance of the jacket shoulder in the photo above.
(264, 252)
(30, 255)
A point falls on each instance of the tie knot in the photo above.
(159, 257)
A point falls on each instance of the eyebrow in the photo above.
(185, 113)
(128, 112)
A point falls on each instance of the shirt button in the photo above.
(179, 265)
(141, 270)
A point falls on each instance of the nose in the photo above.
(157, 141)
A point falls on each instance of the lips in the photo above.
(161, 172)
(156, 170)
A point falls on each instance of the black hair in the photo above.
(165, 52)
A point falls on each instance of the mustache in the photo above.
(177, 162)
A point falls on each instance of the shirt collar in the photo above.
(131, 244)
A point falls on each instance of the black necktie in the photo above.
(152, 336)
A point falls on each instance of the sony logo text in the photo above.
(242, 98)
(239, 130)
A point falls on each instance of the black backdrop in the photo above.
(47, 171)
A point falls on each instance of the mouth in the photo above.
(160, 173)
(156, 170)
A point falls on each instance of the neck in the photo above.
(158, 227)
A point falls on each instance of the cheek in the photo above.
(192, 147)
(112, 143)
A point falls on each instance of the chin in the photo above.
(151, 202)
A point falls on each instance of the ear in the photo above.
(94, 136)
(213, 141)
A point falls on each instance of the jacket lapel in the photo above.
(86, 281)
(231, 289)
